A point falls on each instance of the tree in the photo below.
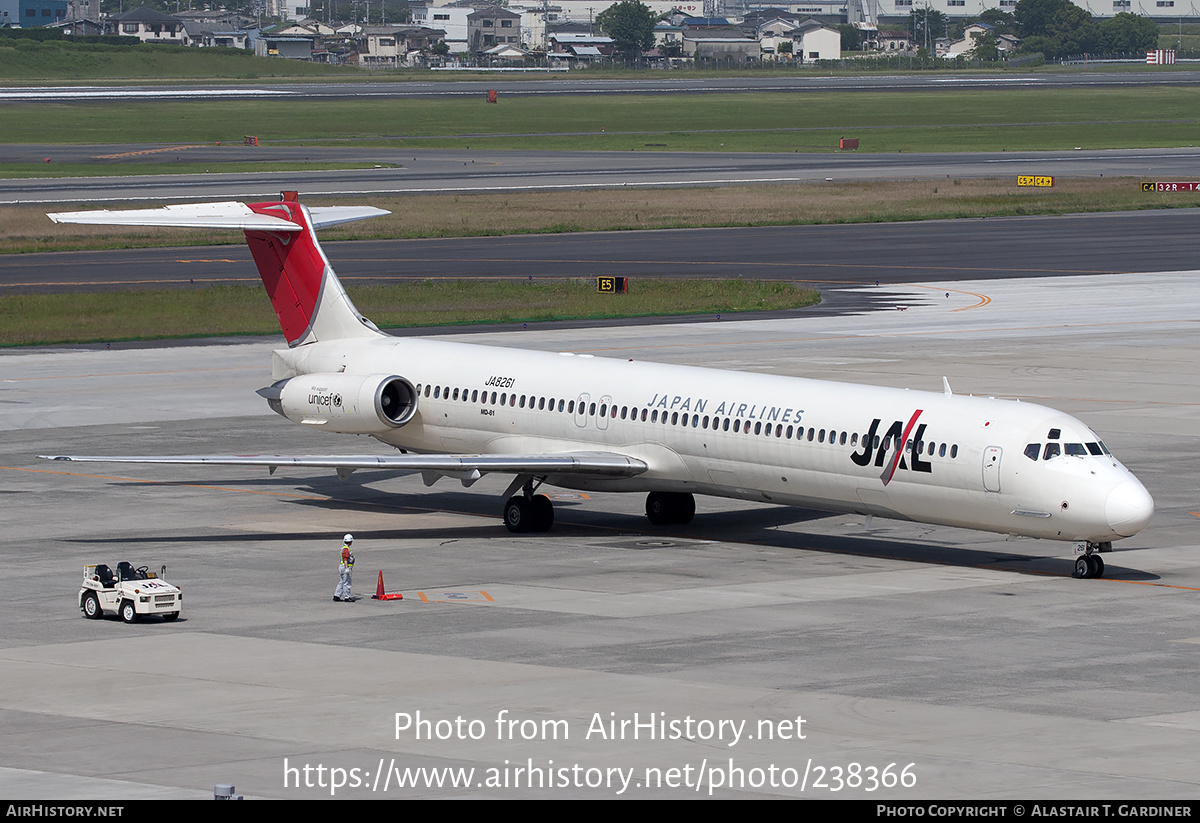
(630, 24)
(926, 25)
(987, 47)
(1057, 28)
(1001, 21)
(1127, 33)
(851, 37)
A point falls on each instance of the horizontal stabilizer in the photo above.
(229, 215)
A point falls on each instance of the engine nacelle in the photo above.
(345, 403)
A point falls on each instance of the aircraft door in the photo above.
(581, 416)
(991, 468)
(605, 413)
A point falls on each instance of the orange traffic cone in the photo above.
(381, 595)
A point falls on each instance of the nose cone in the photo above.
(1128, 508)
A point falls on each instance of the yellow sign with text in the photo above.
(1035, 180)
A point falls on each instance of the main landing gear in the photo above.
(528, 512)
(670, 508)
(1089, 564)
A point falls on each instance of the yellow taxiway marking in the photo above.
(151, 151)
(983, 298)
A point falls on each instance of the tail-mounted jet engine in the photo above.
(345, 403)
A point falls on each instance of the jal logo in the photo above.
(875, 449)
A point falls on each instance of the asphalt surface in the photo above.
(974, 664)
(821, 255)
(574, 83)
(395, 172)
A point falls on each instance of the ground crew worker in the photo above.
(342, 593)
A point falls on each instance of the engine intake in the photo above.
(345, 403)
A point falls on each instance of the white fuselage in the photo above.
(792, 441)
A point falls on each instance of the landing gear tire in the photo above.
(517, 516)
(1083, 569)
(1097, 565)
(543, 513)
(670, 508)
(128, 612)
(91, 607)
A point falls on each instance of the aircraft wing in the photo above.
(467, 468)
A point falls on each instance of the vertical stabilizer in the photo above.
(307, 296)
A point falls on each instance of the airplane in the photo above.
(581, 422)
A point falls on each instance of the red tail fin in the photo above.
(292, 267)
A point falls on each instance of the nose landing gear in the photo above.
(1089, 564)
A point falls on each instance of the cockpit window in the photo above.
(1076, 449)
(1054, 434)
(1031, 451)
(1094, 448)
(1052, 450)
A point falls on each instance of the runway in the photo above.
(415, 172)
(974, 665)
(822, 255)
(691, 82)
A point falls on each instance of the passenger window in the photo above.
(1052, 450)
(1031, 451)
(954, 451)
(942, 450)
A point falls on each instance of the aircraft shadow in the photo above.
(755, 525)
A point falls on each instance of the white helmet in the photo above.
(348, 538)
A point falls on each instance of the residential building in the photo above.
(149, 26)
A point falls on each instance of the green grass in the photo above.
(92, 63)
(949, 120)
(219, 311)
